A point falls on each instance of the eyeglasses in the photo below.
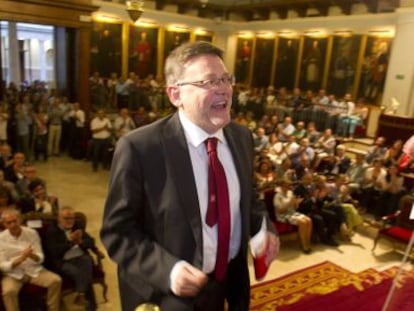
(210, 83)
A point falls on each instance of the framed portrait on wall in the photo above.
(263, 60)
(142, 56)
(243, 59)
(174, 39)
(106, 49)
(374, 68)
(286, 62)
(313, 63)
(206, 37)
(343, 63)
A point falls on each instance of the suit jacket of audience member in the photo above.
(342, 165)
(56, 244)
(152, 216)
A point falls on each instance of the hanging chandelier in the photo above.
(135, 8)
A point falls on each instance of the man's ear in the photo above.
(173, 93)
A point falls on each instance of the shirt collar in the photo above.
(196, 135)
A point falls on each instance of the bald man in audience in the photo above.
(21, 259)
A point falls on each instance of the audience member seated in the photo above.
(66, 247)
(291, 146)
(300, 131)
(286, 129)
(265, 177)
(304, 166)
(304, 149)
(394, 153)
(356, 175)
(392, 191)
(9, 185)
(331, 210)
(340, 192)
(372, 186)
(312, 134)
(22, 185)
(406, 163)
(14, 171)
(286, 204)
(339, 163)
(21, 258)
(276, 151)
(323, 221)
(377, 151)
(324, 148)
(285, 170)
(6, 157)
(39, 200)
(260, 139)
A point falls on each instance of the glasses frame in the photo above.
(229, 80)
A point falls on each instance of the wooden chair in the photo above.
(397, 227)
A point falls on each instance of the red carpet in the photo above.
(327, 286)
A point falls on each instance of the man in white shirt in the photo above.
(21, 258)
(101, 128)
(123, 123)
(77, 116)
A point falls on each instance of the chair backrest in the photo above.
(405, 206)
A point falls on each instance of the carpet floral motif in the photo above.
(320, 279)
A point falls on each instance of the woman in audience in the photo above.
(265, 177)
(394, 153)
(406, 164)
(276, 151)
(324, 148)
(285, 204)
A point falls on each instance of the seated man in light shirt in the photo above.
(21, 258)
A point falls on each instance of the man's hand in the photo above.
(76, 236)
(27, 252)
(188, 281)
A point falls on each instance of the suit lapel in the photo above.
(239, 158)
(179, 162)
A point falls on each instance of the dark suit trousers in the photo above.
(79, 270)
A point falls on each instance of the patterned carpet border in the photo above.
(321, 279)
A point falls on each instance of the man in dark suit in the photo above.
(66, 247)
(155, 225)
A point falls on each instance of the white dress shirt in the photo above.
(12, 247)
(199, 159)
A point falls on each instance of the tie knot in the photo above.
(211, 144)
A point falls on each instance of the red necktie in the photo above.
(218, 210)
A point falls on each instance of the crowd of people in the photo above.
(300, 160)
(316, 185)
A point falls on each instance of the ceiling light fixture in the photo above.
(135, 8)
